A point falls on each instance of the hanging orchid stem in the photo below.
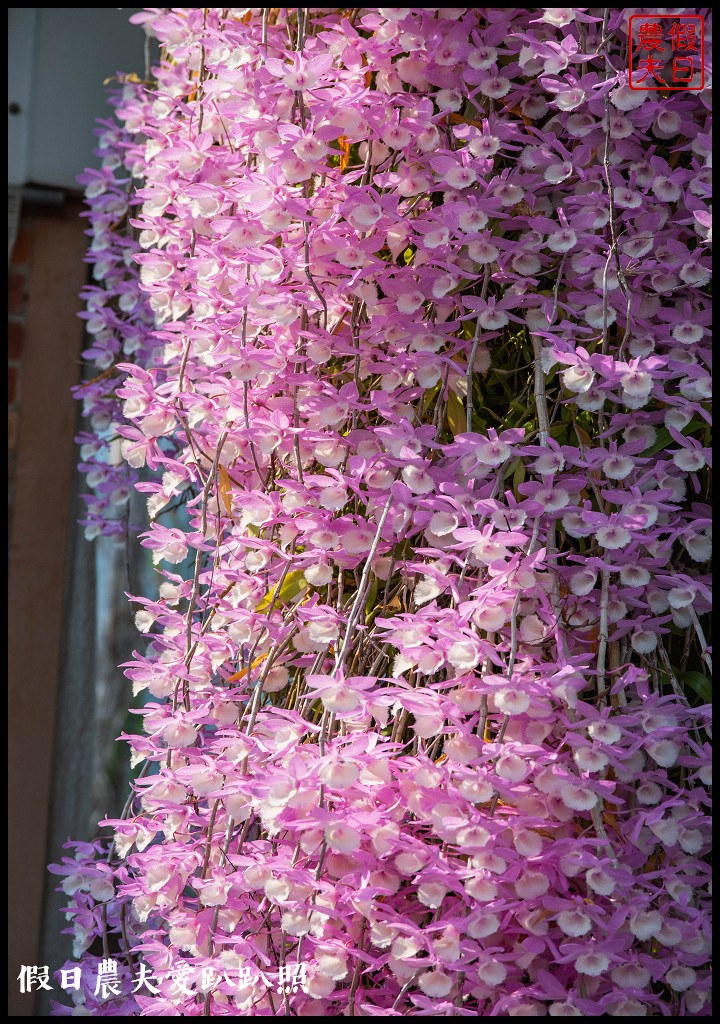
(473, 355)
(671, 674)
(704, 653)
(362, 589)
(211, 825)
(540, 394)
(556, 292)
(469, 378)
(610, 72)
(600, 831)
(189, 646)
(603, 629)
(357, 973)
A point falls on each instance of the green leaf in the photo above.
(700, 684)
(226, 490)
(510, 471)
(663, 439)
(293, 584)
(429, 397)
(371, 599)
(518, 478)
(583, 436)
(455, 413)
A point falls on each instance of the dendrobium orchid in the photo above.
(409, 307)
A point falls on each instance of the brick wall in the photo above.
(46, 273)
(69, 622)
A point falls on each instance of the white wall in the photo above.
(58, 58)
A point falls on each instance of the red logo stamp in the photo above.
(667, 51)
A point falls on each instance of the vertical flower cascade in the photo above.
(410, 310)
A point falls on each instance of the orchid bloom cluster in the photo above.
(119, 320)
(424, 684)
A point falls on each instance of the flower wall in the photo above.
(408, 308)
